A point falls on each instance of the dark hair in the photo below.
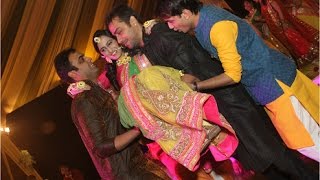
(254, 4)
(112, 74)
(167, 8)
(123, 12)
(63, 66)
(98, 33)
(110, 68)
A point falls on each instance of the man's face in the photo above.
(127, 35)
(178, 23)
(86, 69)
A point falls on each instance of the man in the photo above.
(94, 112)
(258, 148)
(271, 78)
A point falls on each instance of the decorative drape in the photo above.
(34, 31)
(26, 44)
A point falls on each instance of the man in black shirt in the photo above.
(260, 149)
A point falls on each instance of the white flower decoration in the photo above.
(96, 39)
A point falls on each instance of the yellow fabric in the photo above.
(167, 111)
(223, 36)
(283, 115)
(288, 125)
(307, 93)
(157, 82)
(161, 92)
(167, 145)
(311, 20)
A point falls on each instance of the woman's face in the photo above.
(247, 6)
(109, 48)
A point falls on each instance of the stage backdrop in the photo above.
(44, 128)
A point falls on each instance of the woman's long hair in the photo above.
(110, 68)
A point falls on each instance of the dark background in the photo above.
(44, 128)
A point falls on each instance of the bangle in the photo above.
(195, 85)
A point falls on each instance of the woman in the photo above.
(299, 38)
(154, 82)
(305, 10)
(255, 19)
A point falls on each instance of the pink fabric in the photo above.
(158, 154)
(190, 143)
(227, 147)
(144, 120)
(316, 80)
(207, 166)
(188, 146)
(103, 80)
(225, 150)
(188, 115)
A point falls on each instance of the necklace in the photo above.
(124, 59)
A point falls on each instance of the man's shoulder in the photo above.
(162, 34)
(162, 29)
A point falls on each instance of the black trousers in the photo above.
(289, 166)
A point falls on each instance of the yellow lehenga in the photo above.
(168, 112)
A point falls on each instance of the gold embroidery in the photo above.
(171, 132)
(175, 153)
(163, 101)
(124, 59)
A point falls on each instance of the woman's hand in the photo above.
(148, 25)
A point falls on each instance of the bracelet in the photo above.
(195, 85)
(148, 23)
